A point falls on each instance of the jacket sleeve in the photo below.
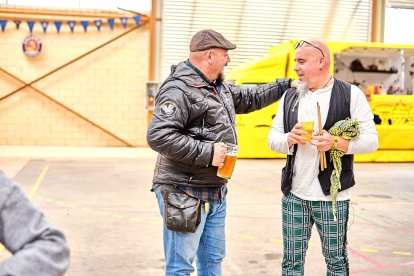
(166, 131)
(250, 99)
(37, 247)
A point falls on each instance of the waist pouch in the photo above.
(182, 213)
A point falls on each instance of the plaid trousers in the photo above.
(298, 217)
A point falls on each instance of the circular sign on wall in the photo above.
(32, 45)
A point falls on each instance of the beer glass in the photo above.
(231, 156)
(307, 122)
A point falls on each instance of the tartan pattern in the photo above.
(298, 217)
(208, 194)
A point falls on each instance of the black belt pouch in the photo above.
(182, 213)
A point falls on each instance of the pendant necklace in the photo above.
(327, 82)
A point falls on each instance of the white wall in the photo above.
(399, 26)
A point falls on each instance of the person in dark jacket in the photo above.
(309, 196)
(193, 120)
(37, 247)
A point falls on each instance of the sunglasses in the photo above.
(300, 44)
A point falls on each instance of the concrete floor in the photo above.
(101, 199)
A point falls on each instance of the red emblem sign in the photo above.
(32, 46)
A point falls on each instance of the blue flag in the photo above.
(137, 19)
(85, 24)
(111, 23)
(98, 24)
(44, 25)
(3, 24)
(58, 24)
(71, 25)
(31, 25)
(124, 21)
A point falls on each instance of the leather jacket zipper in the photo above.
(232, 124)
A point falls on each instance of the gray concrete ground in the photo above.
(101, 199)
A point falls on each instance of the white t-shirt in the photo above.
(305, 182)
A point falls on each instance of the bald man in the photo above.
(306, 188)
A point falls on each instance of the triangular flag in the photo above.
(71, 25)
(17, 22)
(85, 24)
(58, 24)
(98, 24)
(31, 25)
(124, 21)
(137, 19)
(3, 24)
(44, 25)
(111, 23)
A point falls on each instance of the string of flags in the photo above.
(70, 23)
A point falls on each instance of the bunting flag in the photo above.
(98, 24)
(124, 21)
(17, 22)
(3, 24)
(31, 25)
(44, 25)
(85, 24)
(137, 18)
(58, 24)
(111, 23)
(71, 25)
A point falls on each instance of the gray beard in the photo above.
(300, 91)
(302, 88)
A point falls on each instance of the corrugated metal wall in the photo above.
(400, 4)
(255, 25)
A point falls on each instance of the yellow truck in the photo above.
(383, 71)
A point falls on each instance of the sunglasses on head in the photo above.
(300, 43)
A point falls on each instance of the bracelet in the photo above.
(335, 144)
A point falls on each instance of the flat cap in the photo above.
(207, 39)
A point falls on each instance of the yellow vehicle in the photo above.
(383, 71)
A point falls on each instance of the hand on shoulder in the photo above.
(294, 83)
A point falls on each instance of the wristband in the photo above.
(335, 144)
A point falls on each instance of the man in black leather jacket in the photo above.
(193, 120)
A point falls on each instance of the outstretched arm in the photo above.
(250, 99)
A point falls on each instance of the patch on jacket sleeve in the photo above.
(168, 108)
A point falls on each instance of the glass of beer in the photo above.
(308, 123)
(231, 156)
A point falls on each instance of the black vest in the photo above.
(339, 109)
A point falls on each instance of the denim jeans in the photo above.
(207, 244)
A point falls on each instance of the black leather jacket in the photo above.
(190, 116)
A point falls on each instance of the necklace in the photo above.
(327, 82)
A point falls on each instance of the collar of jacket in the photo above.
(216, 84)
(201, 74)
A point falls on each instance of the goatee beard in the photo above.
(300, 92)
(302, 88)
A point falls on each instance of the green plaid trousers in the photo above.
(298, 217)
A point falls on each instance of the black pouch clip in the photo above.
(182, 213)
